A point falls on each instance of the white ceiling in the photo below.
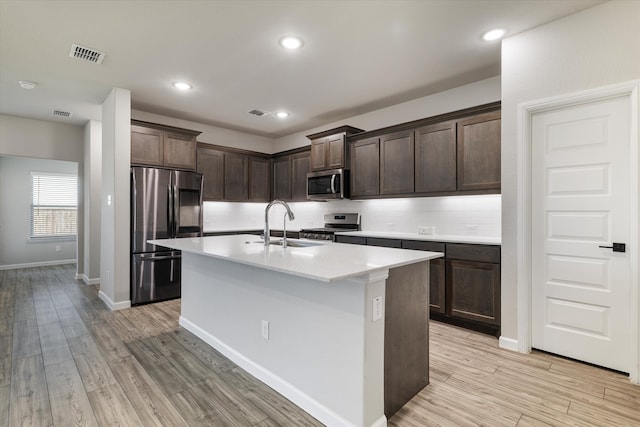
(358, 56)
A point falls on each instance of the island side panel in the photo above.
(318, 334)
(406, 350)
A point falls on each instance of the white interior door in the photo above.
(580, 202)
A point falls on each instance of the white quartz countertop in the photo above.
(482, 240)
(326, 262)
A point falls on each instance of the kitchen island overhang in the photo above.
(302, 319)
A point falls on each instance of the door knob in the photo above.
(617, 247)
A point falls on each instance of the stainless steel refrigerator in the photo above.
(164, 204)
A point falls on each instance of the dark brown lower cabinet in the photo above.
(464, 287)
(473, 290)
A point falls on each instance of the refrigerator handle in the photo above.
(170, 218)
(134, 197)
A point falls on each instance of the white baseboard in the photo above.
(37, 264)
(113, 306)
(508, 343)
(86, 280)
(304, 401)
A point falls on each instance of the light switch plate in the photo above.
(377, 308)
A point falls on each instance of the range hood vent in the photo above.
(60, 113)
(86, 54)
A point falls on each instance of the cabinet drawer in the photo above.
(387, 243)
(420, 245)
(481, 253)
(354, 240)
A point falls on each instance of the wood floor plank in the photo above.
(280, 410)
(51, 335)
(152, 406)
(112, 407)
(26, 340)
(29, 394)
(53, 355)
(24, 309)
(5, 399)
(5, 370)
(173, 378)
(197, 408)
(93, 368)
(70, 404)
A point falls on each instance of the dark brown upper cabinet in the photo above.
(479, 152)
(300, 166)
(282, 178)
(236, 177)
(435, 158)
(450, 154)
(211, 165)
(158, 145)
(290, 175)
(259, 179)
(365, 167)
(396, 163)
(329, 149)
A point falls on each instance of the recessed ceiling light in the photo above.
(282, 114)
(494, 34)
(26, 84)
(182, 85)
(291, 42)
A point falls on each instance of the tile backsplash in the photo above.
(452, 215)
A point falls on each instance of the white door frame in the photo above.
(524, 284)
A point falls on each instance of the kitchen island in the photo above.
(340, 330)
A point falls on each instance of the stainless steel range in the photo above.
(333, 222)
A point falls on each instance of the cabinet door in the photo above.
(365, 167)
(319, 154)
(335, 152)
(479, 152)
(387, 243)
(147, 146)
(236, 177)
(180, 151)
(282, 178)
(397, 163)
(259, 179)
(436, 272)
(435, 158)
(354, 240)
(211, 165)
(473, 290)
(300, 166)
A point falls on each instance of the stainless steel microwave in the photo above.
(328, 185)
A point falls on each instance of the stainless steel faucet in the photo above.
(267, 238)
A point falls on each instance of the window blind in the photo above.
(54, 208)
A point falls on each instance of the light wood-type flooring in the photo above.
(66, 360)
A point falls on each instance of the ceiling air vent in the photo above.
(86, 54)
(60, 113)
(257, 113)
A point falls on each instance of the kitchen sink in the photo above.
(292, 243)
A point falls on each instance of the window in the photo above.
(54, 208)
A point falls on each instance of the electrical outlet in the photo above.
(377, 308)
(58, 248)
(265, 329)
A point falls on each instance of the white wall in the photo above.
(593, 48)
(92, 195)
(471, 95)
(16, 249)
(115, 202)
(450, 215)
(20, 136)
(212, 134)
(24, 137)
